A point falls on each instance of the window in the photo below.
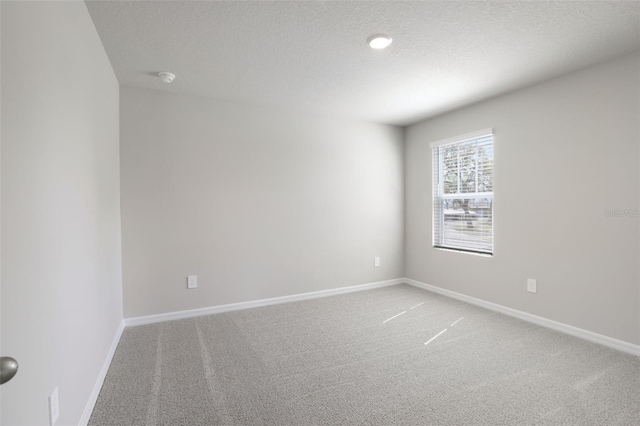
(463, 192)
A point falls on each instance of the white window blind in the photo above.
(463, 192)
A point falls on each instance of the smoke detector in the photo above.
(167, 77)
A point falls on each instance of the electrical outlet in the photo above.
(376, 261)
(54, 410)
(192, 281)
(531, 285)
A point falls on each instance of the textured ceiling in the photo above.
(313, 55)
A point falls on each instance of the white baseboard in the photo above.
(88, 409)
(554, 325)
(150, 319)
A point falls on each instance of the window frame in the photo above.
(438, 194)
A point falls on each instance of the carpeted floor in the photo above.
(378, 357)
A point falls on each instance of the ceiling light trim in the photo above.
(379, 41)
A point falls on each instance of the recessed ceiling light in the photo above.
(379, 41)
(167, 77)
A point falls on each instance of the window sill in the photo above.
(473, 253)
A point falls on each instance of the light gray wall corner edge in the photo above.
(93, 398)
(191, 313)
(405, 197)
(638, 122)
(525, 316)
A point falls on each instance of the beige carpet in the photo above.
(361, 359)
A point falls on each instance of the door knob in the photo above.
(8, 369)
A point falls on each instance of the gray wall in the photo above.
(61, 260)
(565, 151)
(258, 203)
